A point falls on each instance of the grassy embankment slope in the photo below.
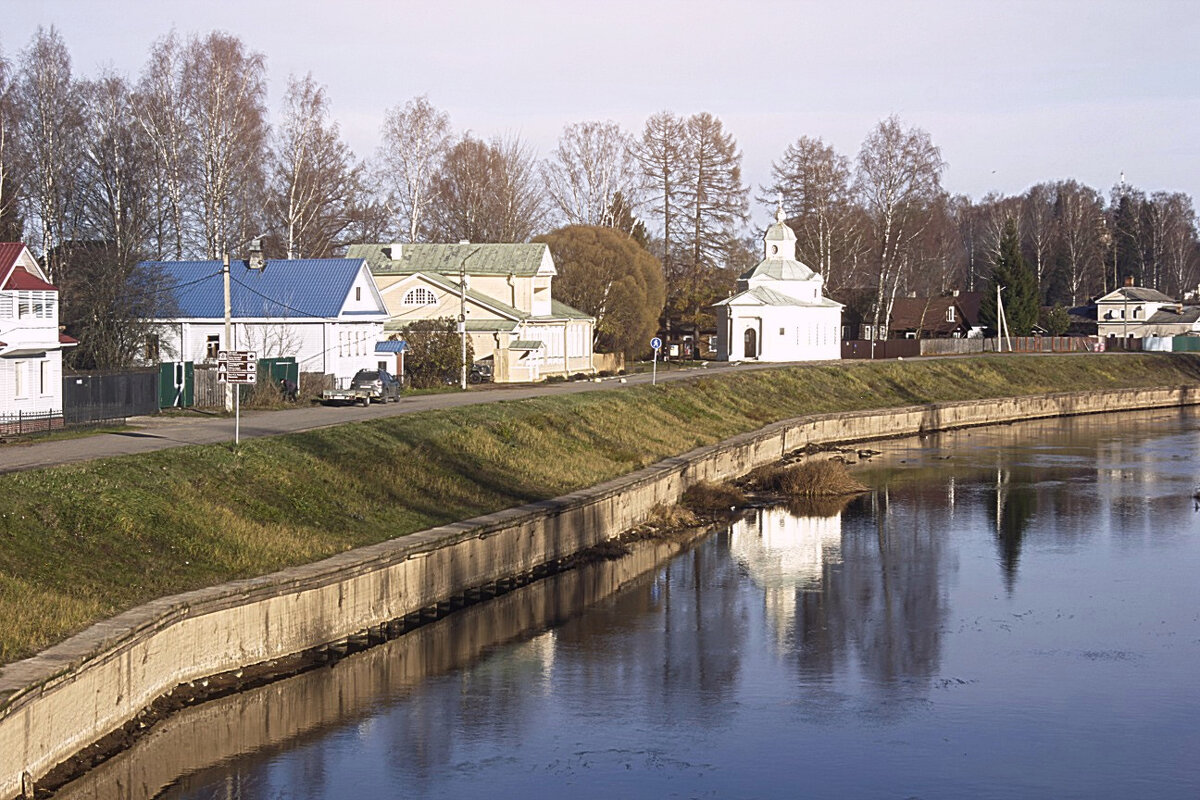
(80, 543)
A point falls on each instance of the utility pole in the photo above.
(462, 312)
(228, 328)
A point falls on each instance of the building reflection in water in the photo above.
(861, 590)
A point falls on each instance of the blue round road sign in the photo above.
(656, 343)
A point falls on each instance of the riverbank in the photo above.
(81, 543)
(63, 700)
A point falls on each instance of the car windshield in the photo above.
(367, 375)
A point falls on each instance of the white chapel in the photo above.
(780, 312)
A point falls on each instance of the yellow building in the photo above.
(510, 312)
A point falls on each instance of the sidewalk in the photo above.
(152, 433)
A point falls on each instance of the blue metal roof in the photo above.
(391, 346)
(307, 287)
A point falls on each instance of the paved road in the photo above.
(147, 434)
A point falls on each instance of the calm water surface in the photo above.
(1010, 613)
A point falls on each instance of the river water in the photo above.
(1011, 612)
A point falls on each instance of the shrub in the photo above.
(707, 496)
(806, 479)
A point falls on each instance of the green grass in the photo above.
(82, 542)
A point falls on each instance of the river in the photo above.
(1010, 612)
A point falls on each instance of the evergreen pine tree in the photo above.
(1020, 291)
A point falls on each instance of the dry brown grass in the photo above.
(708, 497)
(821, 478)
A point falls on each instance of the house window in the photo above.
(420, 296)
(358, 293)
(152, 348)
(6, 305)
(212, 346)
(950, 316)
(19, 382)
(781, 331)
(43, 378)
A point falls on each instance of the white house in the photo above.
(1137, 311)
(30, 343)
(325, 312)
(509, 307)
(780, 312)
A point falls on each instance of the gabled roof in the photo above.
(1139, 293)
(478, 298)
(20, 279)
(481, 259)
(761, 295)
(9, 253)
(296, 289)
(27, 273)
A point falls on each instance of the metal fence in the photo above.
(109, 396)
(881, 348)
(28, 423)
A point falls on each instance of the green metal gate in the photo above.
(176, 384)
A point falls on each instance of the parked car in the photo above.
(367, 386)
(480, 373)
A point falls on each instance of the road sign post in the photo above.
(237, 366)
(656, 343)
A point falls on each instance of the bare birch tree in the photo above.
(898, 177)
(591, 166)
(1039, 228)
(224, 87)
(416, 139)
(314, 177)
(50, 133)
(1080, 214)
(11, 172)
(160, 109)
(1177, 248)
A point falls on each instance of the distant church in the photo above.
(780, 312)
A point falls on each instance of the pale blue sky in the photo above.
(1013, 92)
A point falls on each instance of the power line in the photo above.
(278, 303)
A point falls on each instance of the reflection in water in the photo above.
(786, 555)
(1015, 506)
(1009, 613)
(294, 712)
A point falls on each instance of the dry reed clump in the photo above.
(806, 479)
(671, 517)
(707, 496)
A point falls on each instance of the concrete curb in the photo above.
(62, 700)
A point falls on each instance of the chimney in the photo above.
(395, 251)
(1129, 280)
(464, 241)
(255, 259)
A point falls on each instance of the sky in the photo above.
(1014, 93)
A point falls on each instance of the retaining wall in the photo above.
(61, 701)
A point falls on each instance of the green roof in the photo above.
(558, 309)
(481, 259)
(782, 269)
(770, 297)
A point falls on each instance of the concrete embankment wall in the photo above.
(59, 702)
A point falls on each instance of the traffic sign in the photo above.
(237, 366)
(656, 343)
